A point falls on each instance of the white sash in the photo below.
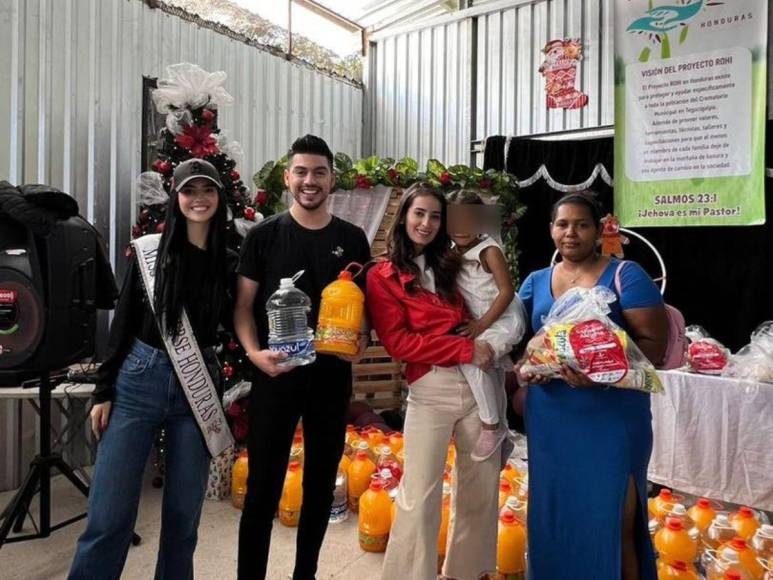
(186, 357)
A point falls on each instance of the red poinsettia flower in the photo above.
(445, 178)
(486, 183)
(261, 197)
(198, 140)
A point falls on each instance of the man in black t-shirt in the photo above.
(306, 237)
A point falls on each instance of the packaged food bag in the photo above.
(704, 354)
(755, 360)
(578, 332)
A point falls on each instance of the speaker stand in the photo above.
(39, 479)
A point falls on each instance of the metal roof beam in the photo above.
(329, 14)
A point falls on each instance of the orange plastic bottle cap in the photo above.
(376, 485)
(665, 493)
(294, 466)
(674, 524)
(746, 512)
(738, 544)
(703, 503)
(679, 565)
(508, 518)
(345, 275)
(505, 486)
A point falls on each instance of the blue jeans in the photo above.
(147, 397)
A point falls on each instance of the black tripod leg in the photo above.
(70, 474)
(16, 512)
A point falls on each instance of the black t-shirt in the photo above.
(279, 247)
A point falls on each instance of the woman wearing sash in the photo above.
(139, 391)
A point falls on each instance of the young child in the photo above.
(499, 318)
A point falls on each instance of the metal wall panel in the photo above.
(71, 109)
(419, 94)
(510, 90)
(421, 87)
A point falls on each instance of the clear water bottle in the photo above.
(339, 511)
(288, 325)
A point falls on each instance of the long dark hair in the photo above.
(169, 291)
(445, 263)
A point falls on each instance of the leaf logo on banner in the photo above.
(660, 20)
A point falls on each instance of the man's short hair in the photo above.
(310, 145)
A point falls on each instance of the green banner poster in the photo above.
(690, 94)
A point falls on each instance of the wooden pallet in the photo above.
(378, 379)
(378, 247)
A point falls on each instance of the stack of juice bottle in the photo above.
(708, 540)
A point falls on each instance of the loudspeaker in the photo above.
(47, 296)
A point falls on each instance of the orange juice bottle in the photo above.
(702, 514)
(660, 506)
(744, 522)
(362, 446)
(510, 474)
(292, 495)
(762, 542)
(239, 480)
(375, 438)
(726, 566)
(340, 316)
(375, 517)
(511, 547)
(360, 472)
(674, 543)
(396, 441)
(515, 506)
(719, 532)
(445, 516)
(747, 557)
(505, 491)
(451, 455)
(296, 449)
(676, 570)
(344, 464)
(350, 440)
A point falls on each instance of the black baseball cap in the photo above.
(195, 169)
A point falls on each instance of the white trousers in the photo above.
(441, 405)
(488, 390)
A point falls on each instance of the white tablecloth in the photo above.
(714, 438)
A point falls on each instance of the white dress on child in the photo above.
(479, 290)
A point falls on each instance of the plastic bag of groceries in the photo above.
(704, 354)
(755, 360)
(578, 332)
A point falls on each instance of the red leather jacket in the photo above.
(415, 328)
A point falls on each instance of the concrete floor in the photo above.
(48, 558)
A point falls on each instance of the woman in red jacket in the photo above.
(415, 308)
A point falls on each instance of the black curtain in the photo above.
(717, 276)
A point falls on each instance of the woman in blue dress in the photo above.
(589, 444)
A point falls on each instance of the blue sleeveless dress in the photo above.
(584, 445)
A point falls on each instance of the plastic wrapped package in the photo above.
(705, 355)
(150, 189)
(578, 332)
(755, 360)
(187, 85)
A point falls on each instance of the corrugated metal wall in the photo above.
(410, 73)
(511, 94)
(420, 94)
(71, 110)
